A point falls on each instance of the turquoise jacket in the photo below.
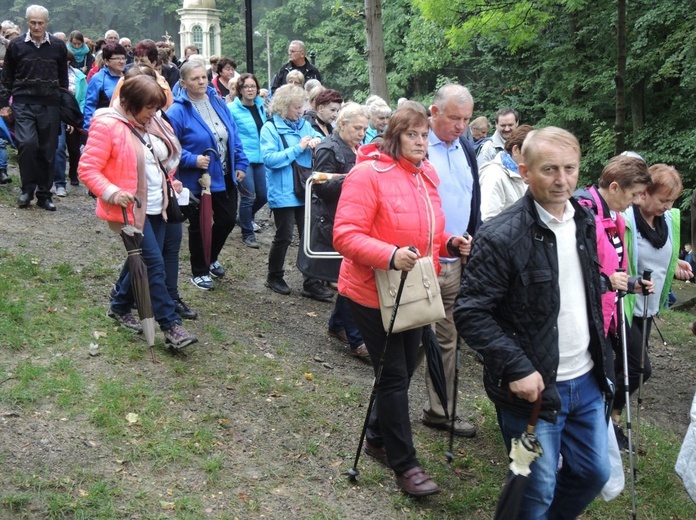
(102, 82)
(278, 159)
(246, 126)
(631, 240)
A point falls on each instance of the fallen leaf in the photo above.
(98, 334)
(244, 497)
(309, 376)
(132, 418)
(167, 505)
(82, 493)
(269, 355)
(312, 314)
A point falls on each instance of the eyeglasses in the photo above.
(117, 59)
(249, 87)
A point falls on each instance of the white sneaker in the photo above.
(61, 192)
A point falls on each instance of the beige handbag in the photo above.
(420, 303)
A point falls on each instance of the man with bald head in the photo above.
(454, 160)
(297, 61)
(36, 66)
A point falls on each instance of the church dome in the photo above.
(199, 4)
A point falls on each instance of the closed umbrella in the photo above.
(132, 239)
(525, 450)
(206, 209)
(435, 368)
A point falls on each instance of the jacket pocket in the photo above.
(537, 289)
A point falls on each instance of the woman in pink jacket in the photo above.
(622, 182)
(120, 162)
(382, 211)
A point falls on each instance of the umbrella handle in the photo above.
(535, 415)
(125, 212)
(212, 151)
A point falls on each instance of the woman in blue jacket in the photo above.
(201, 121)
(284, 139)
(249, 113)
(101, 87)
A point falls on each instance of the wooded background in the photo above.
(557, 62)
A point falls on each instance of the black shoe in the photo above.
(74, 182)
(4, 177)
(277, 284)
(183, 310)
(317, 291)
(24, 200)
(46, 204)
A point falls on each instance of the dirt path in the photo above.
(240, 318)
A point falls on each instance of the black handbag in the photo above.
(70, 112)
(174, 213)
(300, 174)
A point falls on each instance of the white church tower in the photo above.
(200, 26)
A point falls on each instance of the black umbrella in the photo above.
(132, 239)
(437, 372)
(523, 452)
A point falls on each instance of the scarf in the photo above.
(658, 236)
(508, 162)
(294, 125)
(79, 53)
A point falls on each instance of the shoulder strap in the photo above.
(149, 147)
(282, 137)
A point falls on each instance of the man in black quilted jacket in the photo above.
(530, 304)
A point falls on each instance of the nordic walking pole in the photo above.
(354, 472)
(647, 274)
(624, 351)
(450, 453)
(659, 332)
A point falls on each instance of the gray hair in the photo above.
(311, 84)
(300, 44)
(37, 9)
(348, 112)
(452, 92)
(188, 67)
(284, 97)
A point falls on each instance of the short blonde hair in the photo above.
(549, 134)
(284, 98)
(295, 75)
(665, 178)
(348, 112)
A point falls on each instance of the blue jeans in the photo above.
(3, 154)
(154, 233)
(60, 160)
(253, 197)
(580, 435)
(341, 319)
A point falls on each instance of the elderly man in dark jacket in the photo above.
(530, 304)
(36, 65)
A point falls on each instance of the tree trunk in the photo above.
(620, 79)
(638, 106)
(375, 49)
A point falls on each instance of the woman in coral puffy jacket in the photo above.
(382, 211)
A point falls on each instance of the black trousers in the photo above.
(224, 218)
(635, 350)
(285, 221)
(390, 424)
(73, 142)
(36, 133)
